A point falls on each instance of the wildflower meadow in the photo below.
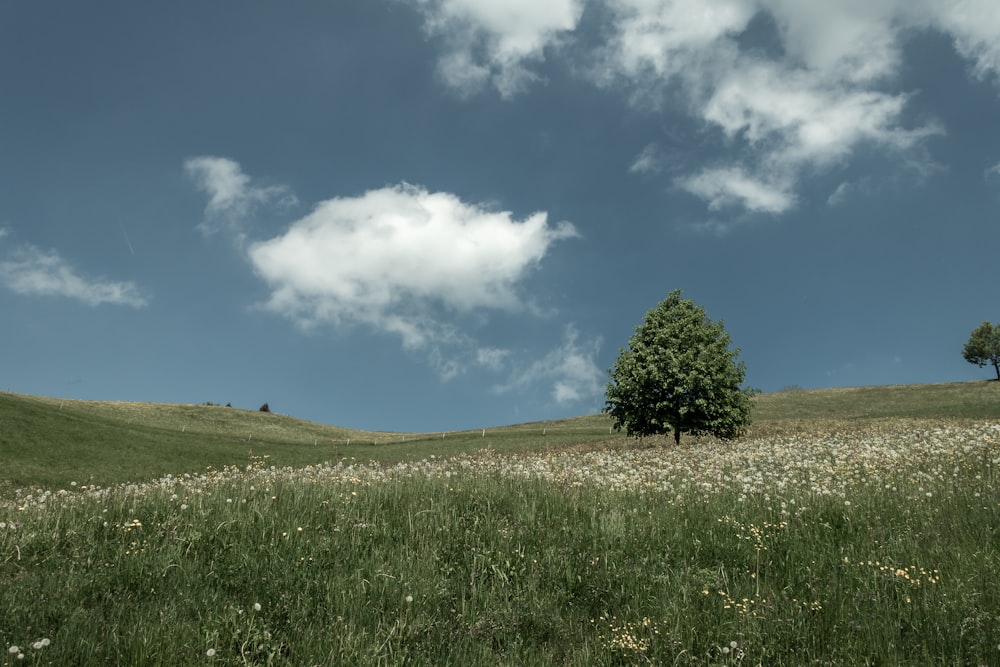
(864, 542)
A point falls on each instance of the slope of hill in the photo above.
(963, 400)
(51, 443)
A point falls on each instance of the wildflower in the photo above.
(14, 649)
(256, 606)
(210, 653)
(409, 598)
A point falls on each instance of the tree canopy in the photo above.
(983, 346)
(679, 374)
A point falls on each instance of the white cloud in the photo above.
(732, 187)
(492, 358)
(663, 38)
(495, 42)
(806, 107)
(30, 270)
(569, 371)
(813, 85)
(994, 170)
(648, 161)
(796, 118)
(399, 259)
(232, 197)
(852, 40)
(974, 25)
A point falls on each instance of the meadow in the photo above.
(850, 527)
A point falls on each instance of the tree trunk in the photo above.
(996, 365)
(677, 431)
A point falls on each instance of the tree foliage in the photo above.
(679, 374)
(984, 346)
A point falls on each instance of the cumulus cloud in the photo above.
(425, 267)
(569, 371)
(783, 117)
(494, 43)
(974, 26)
(232, 196)
(731, 186)
(32, 271)
(794, 88)
(798, 119)
(408, 262)
(653, 40)
(380, 257)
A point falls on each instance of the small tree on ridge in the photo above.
(984, 346)
(678, 374)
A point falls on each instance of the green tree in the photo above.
(984, 346)
(678, 374)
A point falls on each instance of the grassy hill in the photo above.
(963, 400)
(854, 527)
(51, 442)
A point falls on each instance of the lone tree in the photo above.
(678, 374)
(984, 346)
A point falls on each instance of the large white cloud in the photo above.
(426, 267)
(784, 116)
(491, 42)
(33, 271)
(396, 257)
(826, 87)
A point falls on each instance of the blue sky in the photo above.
(427, 215)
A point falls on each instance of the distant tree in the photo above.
(984, 346)
(678, 374)
(265, 408)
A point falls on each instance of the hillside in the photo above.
(51, 442)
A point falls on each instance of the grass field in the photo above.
(850, 527)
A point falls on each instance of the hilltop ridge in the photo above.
(51, 442)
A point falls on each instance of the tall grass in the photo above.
(875, 544)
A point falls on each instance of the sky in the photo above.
(433, 215)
